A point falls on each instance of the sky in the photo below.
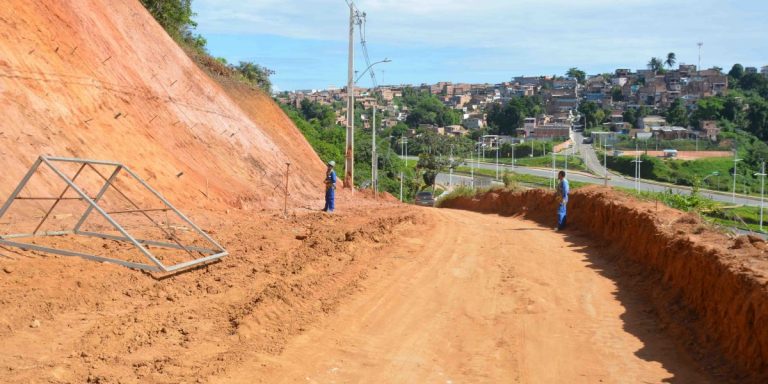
(305, 42)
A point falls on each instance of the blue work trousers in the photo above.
(330, 195)
(561, 215)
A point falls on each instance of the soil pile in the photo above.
(102, 80)
(709, 288)
(71, 320)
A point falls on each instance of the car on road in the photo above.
(587, 140)
(425, 199)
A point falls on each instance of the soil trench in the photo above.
(483, 299)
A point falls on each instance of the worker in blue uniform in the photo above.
(562, 196)
(330, 187)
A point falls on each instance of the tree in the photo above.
(737, 71)
(430, 166)
(175, 16)
(256, 75)
(708, 108)
(507, 118)
(577, 74)
(752, 82)
(757, 117)
(589, 110)
(655, 64)
(677, 114)
(671, 60)
(616, 94)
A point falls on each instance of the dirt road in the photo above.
(483, 299)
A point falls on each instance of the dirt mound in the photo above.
(103, 80)
(71, 320)
(709, 288)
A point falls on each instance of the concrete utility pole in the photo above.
(349, 162)
(374, 155)
(403, 150)
(735, 161)
(472, 167)
(497, 159)
(762, 192)
(554, 170)
(450, 169)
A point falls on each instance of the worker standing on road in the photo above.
(330, 187)
(562, 196)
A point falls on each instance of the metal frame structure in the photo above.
(215, 252)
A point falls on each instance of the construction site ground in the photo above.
(378, 292)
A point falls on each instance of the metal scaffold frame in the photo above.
(215, 252)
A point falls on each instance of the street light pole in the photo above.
(513, 156)
(554, 171)
(450, 169)
(762, 192)
(637, 162)
(497, 159)
(472, 167)
(735, 161)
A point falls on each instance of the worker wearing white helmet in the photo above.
(330, 187)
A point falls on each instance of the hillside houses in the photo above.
(560, 98)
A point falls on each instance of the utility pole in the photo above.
(472, 167)
(554, 170)
(497, 159)
(374, 155)
(637, 162)
(513, 156)
(349, 162)
(403, 144)
(762, 192)
(735, 161)
(605, 163)
(450, 169)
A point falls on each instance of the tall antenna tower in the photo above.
(700, 43)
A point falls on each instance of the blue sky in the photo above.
(428, 41)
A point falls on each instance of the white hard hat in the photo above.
(331, 163)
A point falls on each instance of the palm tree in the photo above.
(671, 60)
(655, 64)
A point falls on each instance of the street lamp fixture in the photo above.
(369, 68)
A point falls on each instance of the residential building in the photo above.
(456, 130)
(474, 123)
(709, 129)
(648, 122)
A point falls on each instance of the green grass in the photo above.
(684, 172)
(742, 217)
(680, 145)
(530, 180)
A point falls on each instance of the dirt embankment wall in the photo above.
(102, 80)
(708, 287)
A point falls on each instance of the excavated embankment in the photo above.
(710, 289)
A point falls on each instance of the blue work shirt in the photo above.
(563, 189)
(331, 179)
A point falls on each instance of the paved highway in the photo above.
(614, 181)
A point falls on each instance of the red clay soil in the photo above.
(101, 79)
(708, 287)
(68, 320)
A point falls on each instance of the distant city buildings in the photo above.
(560, 97)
